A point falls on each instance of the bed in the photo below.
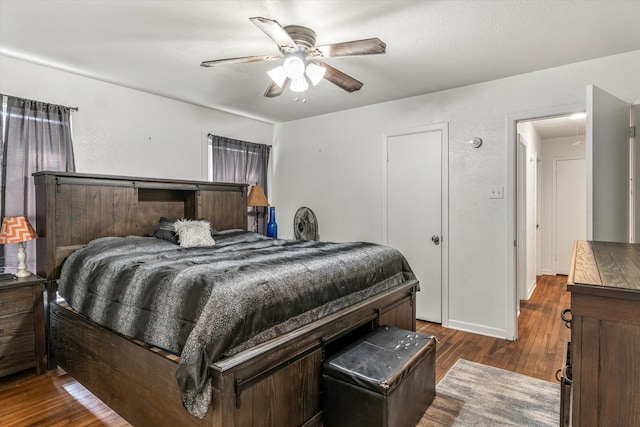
(273, 380)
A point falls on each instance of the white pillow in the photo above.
(193, 233)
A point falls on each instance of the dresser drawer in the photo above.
(15, 325)
(17, 300)
(17, 354)
(22, 335)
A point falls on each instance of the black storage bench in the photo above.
(385, 379)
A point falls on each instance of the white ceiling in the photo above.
(557, 127)
(157, 46)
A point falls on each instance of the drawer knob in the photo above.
(1, 331)
(1, 303)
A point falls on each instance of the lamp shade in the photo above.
(16, 229)
(315, 73)
(294, 67)
(299, 85)
(257, 197)
(278, 75)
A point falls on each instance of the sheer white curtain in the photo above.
(36, 136)
(241, 162)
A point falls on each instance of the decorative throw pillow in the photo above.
(213, 230)
(166, 230)
(193, 233)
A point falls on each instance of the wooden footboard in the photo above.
(135, 382)
(277, 383)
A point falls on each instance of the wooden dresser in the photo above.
(22, 338)
(604, 282)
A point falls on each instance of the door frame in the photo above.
(511, 224)
(444, 209)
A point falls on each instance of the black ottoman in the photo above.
(385, 379)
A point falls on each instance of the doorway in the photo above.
(608, 182)
(550, 196)
(523, 124)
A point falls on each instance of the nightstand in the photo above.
(22, 336)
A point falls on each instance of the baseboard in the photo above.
(531, 288)
(478, 329)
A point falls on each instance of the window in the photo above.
(35, 136)
(231, 160)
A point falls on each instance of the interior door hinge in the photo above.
(632, 131)
(387, 157)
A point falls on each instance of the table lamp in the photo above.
(16, 229)
(257, 199)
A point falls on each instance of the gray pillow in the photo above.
(166, 230)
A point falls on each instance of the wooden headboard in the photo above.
(72, 209)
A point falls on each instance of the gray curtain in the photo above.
(35, 136)
(241, 162)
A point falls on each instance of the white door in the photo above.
(522, 220)
(414, 212)
(635, 122)
(526, 191)
(570, 217)
(607, 166)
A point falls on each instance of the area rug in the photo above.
(472, 394)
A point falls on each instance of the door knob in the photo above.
(435, 239)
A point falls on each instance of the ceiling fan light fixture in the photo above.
(315, 73)
(298, 51)
(278, 75)
(294, 67)
(299, 84)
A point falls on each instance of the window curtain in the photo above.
(241, 162)
(36, 136)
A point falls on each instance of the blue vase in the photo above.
(272, 226)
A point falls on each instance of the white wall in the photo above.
(122, 131)
(333, 165)
(553, 148)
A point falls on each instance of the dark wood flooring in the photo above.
(56, 399)
(542, 336)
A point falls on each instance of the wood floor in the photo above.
(56, 399)
(542, 337)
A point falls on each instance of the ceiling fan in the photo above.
(302, 58)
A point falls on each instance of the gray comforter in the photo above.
(207, 303)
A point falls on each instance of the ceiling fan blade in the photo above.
(373, 46)
(239, 60)
(339, 78)
(274, 90)
(274, 30)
